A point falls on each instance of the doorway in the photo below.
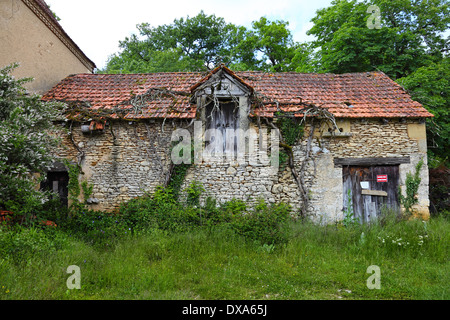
(369, 189)
(58, 182)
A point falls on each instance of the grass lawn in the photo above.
(318, 262)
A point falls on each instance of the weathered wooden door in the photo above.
(369, 189)
(225, 121)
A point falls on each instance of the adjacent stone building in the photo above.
(31, 36)
(367, 135)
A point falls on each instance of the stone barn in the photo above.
(361, 134)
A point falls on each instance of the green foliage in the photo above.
(268, 46)
(177, 178)
(234, 207)
(412, 183)
(190, 44)
(430, 85)
(319, 261)
(291, 131)
(264, 224)
(349, 215)
(96, 227)
(25, 143)
(202, 42)
(87, 189)
(20, 243)
(193, 191)
(410, 36)
(74, 187)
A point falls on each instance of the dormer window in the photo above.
(223, 100)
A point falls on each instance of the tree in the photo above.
(409, 37)
(25, 142)
(269, 46)
(202, 42)
(430, 85)
(191, 44)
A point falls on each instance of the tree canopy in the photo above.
(431, 86)
(25, 142)
(202, 42)
(409, 35)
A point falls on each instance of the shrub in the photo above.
(412, 185)
(136, 213)
(19, 243)
(97, 226)
(194, 190)
(265, 224)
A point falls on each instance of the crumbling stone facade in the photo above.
(129, 159)
(363, 161)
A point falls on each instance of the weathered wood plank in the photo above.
(374, 193)
(370, 161)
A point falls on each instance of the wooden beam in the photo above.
(374, 193)
(370, 161)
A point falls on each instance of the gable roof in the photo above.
(167, 95)
(217, 71)
(43, 12)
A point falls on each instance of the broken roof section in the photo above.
(167, 95)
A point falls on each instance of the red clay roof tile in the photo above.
(351, 95)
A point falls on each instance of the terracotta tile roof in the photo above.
(352, 95)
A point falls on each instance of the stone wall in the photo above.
(123, 161)
(357, 139)
(362, 138)
(134, 158)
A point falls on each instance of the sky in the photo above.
(97, 26)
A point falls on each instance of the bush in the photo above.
(265, 224)
(19, 243)
(135, 213)
(97, 226)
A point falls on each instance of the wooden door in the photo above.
(369, 189)
(225, 120)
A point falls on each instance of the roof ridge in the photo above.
(41, 9)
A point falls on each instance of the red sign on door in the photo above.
(382, 178)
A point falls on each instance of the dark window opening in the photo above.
(58, 183)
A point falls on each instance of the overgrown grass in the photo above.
(219, 262)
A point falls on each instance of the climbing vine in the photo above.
(412, 186)
(308, 114)
(73, 186)
(291, 130)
